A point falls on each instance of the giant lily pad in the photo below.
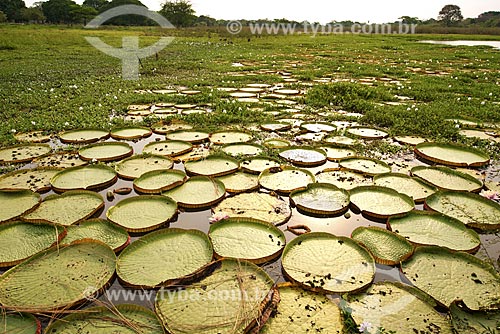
(19, 240)
(229, 137)
(237, 149)
(471, 209)
(321, 199)
(449, 276)
(123, 319)
(163, 256)
(304, 156)
(98, 229)
(16, 203)
(19, 323)
(240, 182)
(84, 177)
(142, 213)
(83, 136)
(467, 322)
(33, 137)
(324, 262)
(191, 136)
(452, 155)
(273, 127)
(59, 277)
(131, 133)
(260, 206)
(202, 308)
(366, 166)
(66, 209)
(336, 153)
(169, 148)
(106, 151)
(138, 165)
(257, 165)
(285, 179)
(341, 140)
(276, 143)
(318, 127)
(60, 160)
(296, 305)
(247, 239)
(198, 192)
(386, 247)
(197, 153)
(397, 308)
(448, 179)
(426, 228)
(404, 184)
(367, 133)
(157, 181)
(23, 153)
(37, 179)
(212, 166)
(343, 179)
(380, 202)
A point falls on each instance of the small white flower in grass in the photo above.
(458, 99)
(51, 90)
(449, 86)
(490, 94)
(94, 160)
(218, 217)
(365, 327)
(483, 103)
(115, 97)
(100, 105)
(33, 123)
(13, 130)
(66, 124)
(457, 126)
(81, 108)
(469, 99)
(408, 109)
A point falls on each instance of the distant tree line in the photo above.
(181, 14)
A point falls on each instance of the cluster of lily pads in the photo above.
(60, 257)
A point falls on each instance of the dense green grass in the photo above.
(52, 79)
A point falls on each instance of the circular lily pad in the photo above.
(343, 179)
(158, 181)
(229, 137)
(169, 148)
(410, 140)
(366, 166)
(318, 127)
(163, 127)
(123, 319)
(397, 308)
(142, 213)
(84, 177)
(304, 156)
(202, 308)
(285, 179)
(452, 155)
(98, 229)
(37, 179)
(212, 166)
(20, 323)
(471, 209)
(33, 137)
(308, 260)
(130, 133)
(17, 203)
(257, 165)
(367, 133)
(190, 136)
(447, 178)
(287, 91)
(106, 151)
(321, 199)
(259, 206)
(163, 256)
(426, 228)
(386, 247)
(60, 160)
(23, 153)
(59, 277)
(467, 322)
(240, 182)
(336, 153)
(83, 136)
(449, 276)
(340, 140)
(276, 143)
(19, 240)
(242, 149)
(380, 202)
(247, 239)
(296, 305)
(138, 165)
(198, 192)
(275, 127)
(66, 209)
(404, 184)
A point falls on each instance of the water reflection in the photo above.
(494, 44)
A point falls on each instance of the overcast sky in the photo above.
(325, 11)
